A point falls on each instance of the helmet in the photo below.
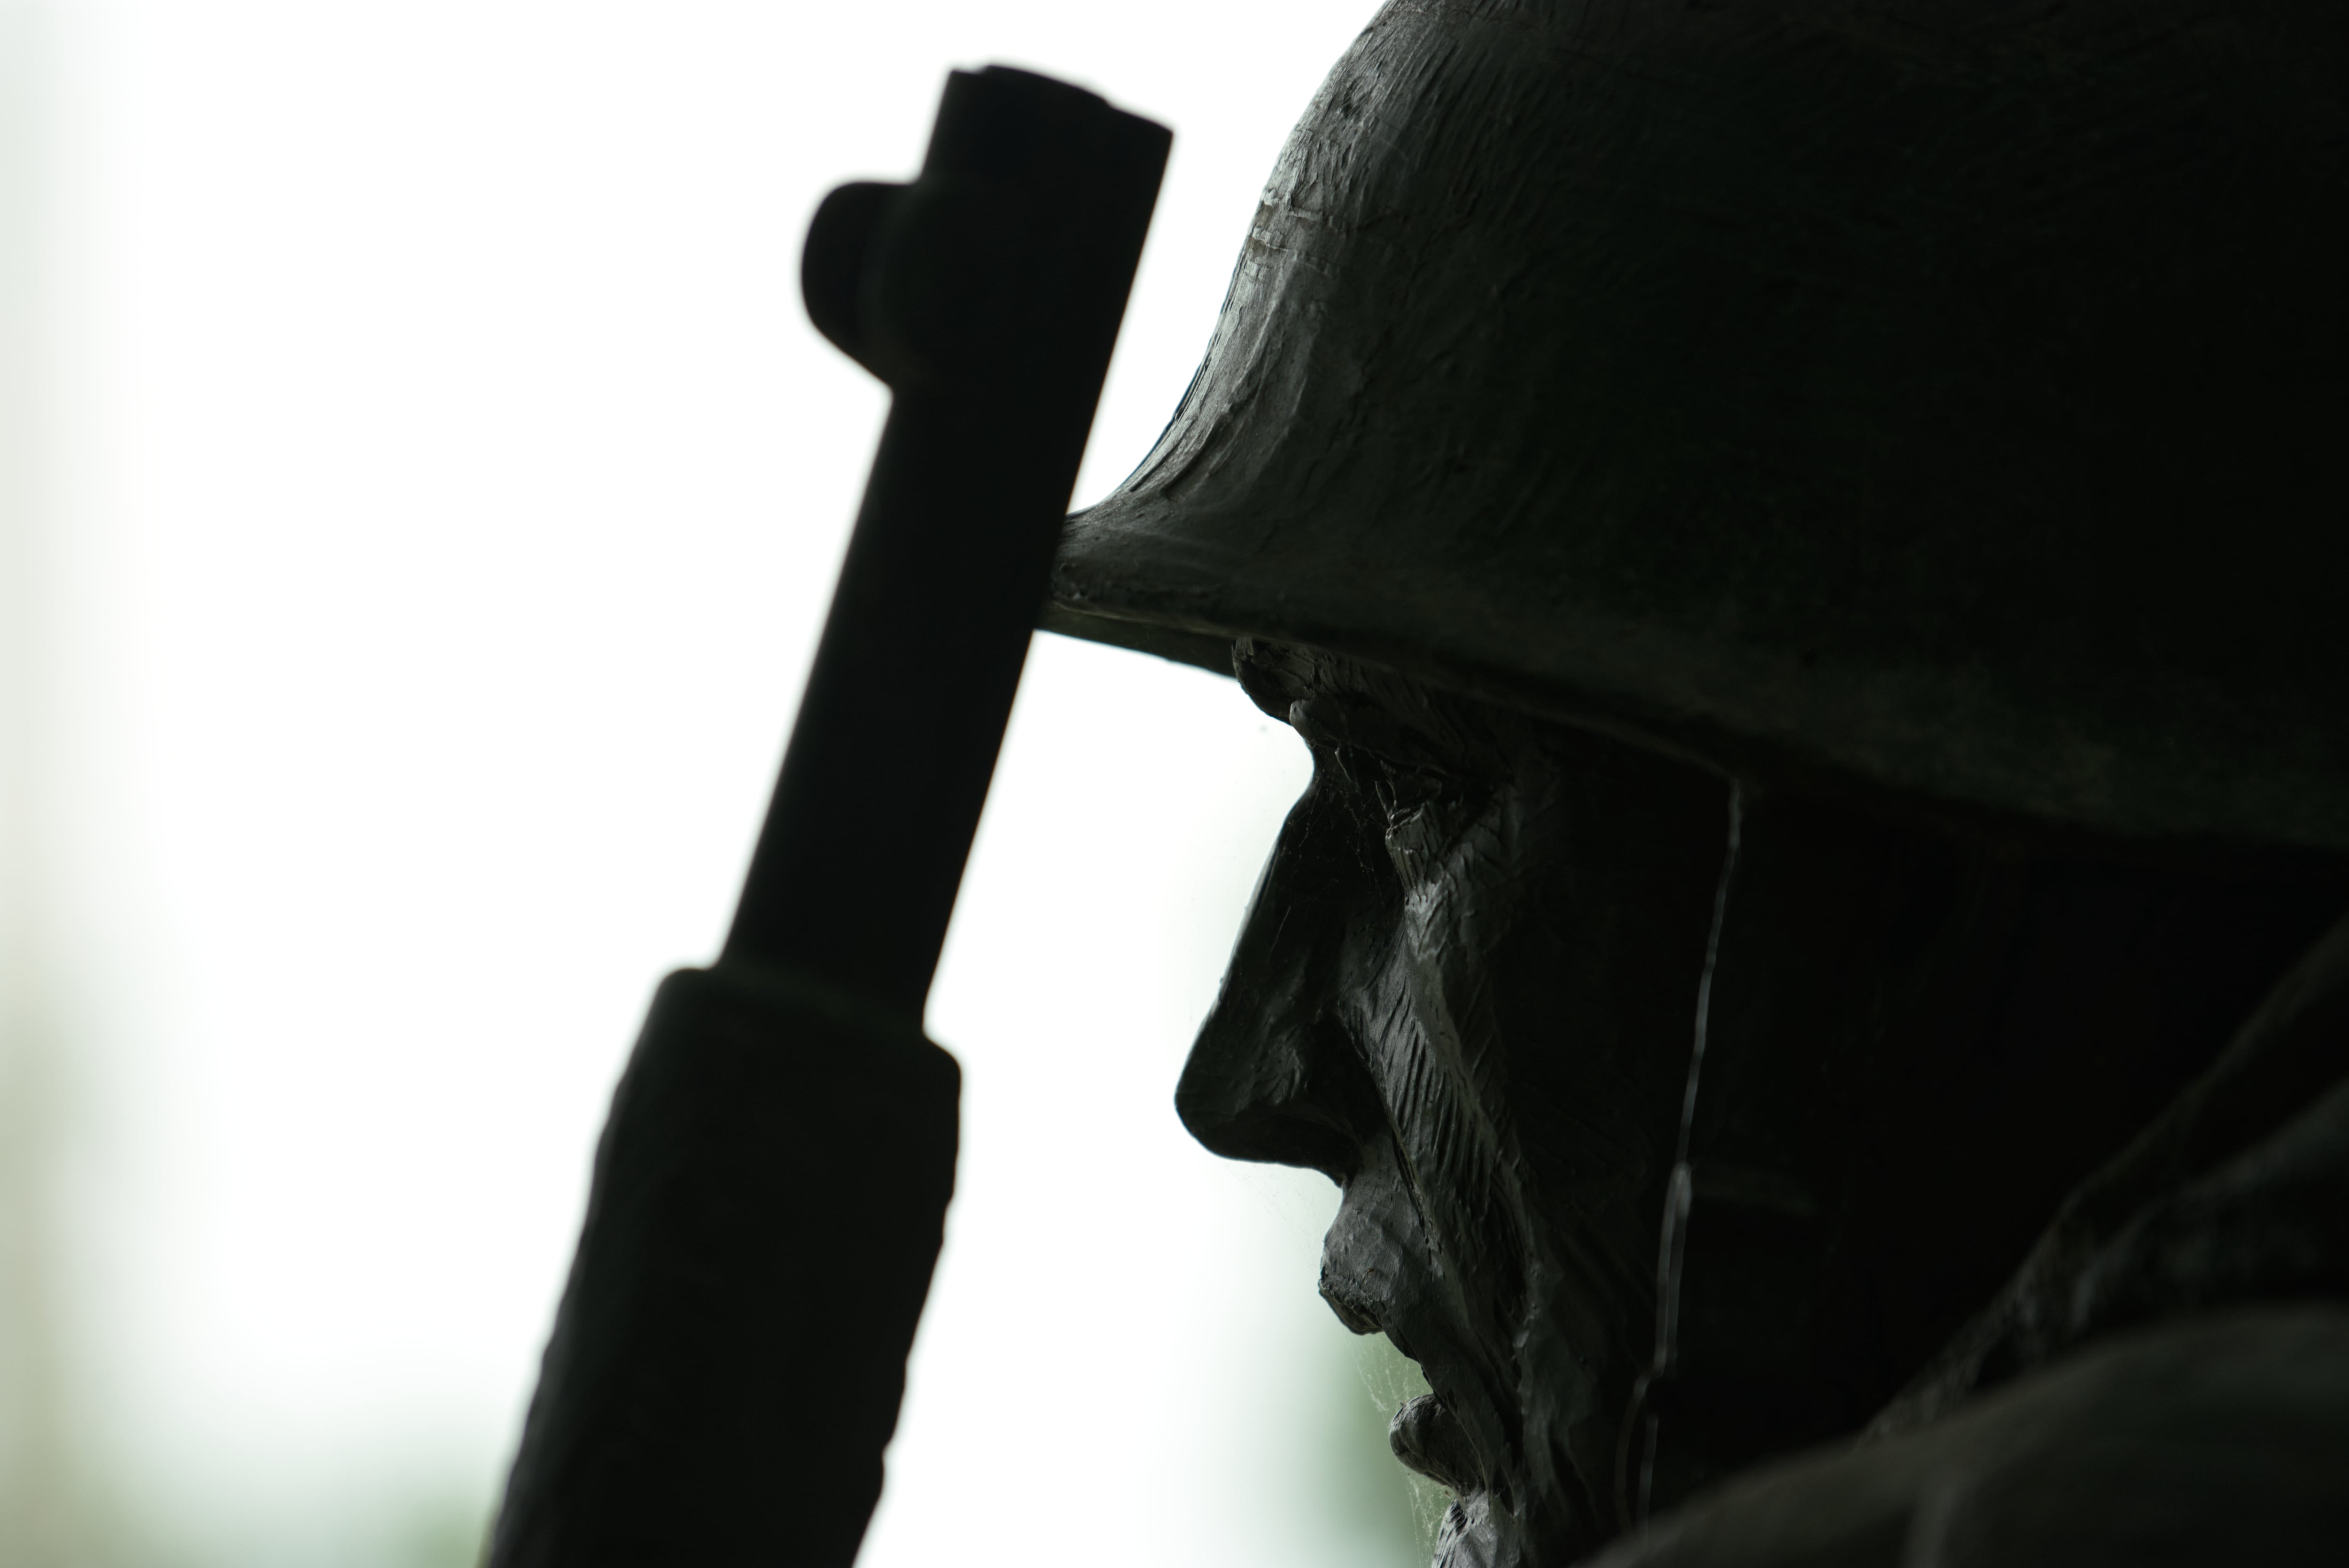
(1943, 396)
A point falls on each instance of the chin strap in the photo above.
(1635, 1448)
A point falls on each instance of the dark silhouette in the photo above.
(726, 1366)
(1803, 540)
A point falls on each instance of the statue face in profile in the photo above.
(1464, 994)
(1470, 992)
(1986, 543)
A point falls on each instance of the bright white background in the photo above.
(436, 491)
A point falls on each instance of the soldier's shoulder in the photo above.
(2215, 1439)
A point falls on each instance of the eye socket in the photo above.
(1402, 786)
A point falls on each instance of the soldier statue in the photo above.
(1806, 542)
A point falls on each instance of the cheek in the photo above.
(1437, 1052)
(1537, 1000)
(1468, 907)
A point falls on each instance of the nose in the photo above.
(1273, 1077)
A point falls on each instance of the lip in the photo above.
(1426, 1434)
(1375, 1280)
(1427, 1439)
(1351, 1305)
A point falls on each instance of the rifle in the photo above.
(769, 1189)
